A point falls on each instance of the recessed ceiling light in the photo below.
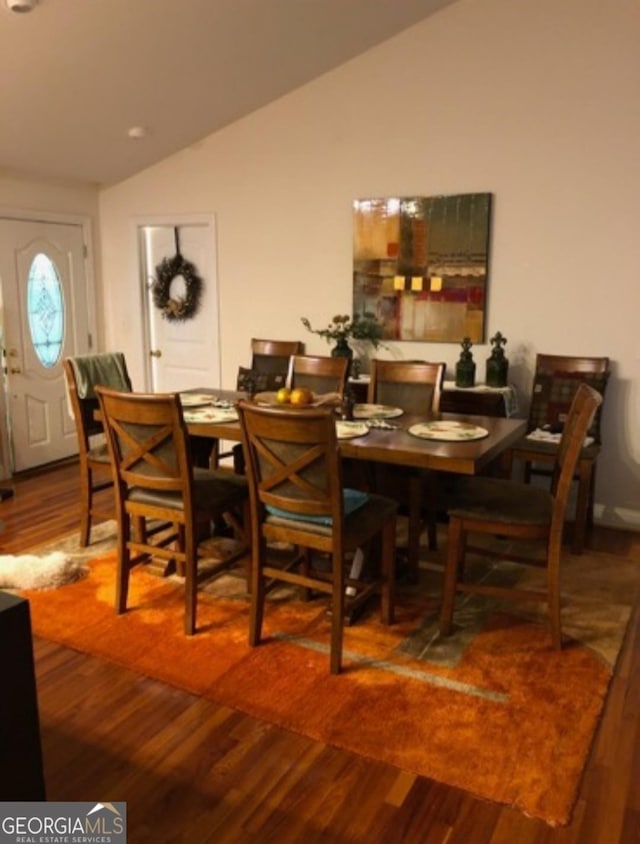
(137, 132)
(21, 5)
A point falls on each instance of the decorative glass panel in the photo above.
(45, 309)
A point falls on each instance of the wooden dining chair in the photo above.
(273, 355)
(269, 365)
(520, 512)
(297, 497)
(157, 483)
(555, 382)
(82, 374)
(268, 372)
(318, 373)
(416, 387)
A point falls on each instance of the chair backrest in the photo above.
(83, 373)
(148, 444)
(293, 464)
(555, 382)
(415, 386)
(318, 374)
(269, 365)
(584, 406)
(273, 355)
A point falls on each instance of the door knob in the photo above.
(155, 353)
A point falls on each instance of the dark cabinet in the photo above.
(21, 773)
(468, 401)
(455, 399)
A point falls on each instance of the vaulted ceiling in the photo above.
(79, 74)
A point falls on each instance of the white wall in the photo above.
(534, 101)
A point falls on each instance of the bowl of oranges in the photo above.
(297, 397)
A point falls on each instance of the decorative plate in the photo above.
(211, 414)
(195, 399)
(348, 430)
(448, 431)
(376, 411)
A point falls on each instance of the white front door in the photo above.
(182, 353)
(45, 318)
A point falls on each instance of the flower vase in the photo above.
(342, 349)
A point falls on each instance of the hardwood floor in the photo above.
(191, 771)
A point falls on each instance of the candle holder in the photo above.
(465, 367)
(497, 363)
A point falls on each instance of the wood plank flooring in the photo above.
(194, 772)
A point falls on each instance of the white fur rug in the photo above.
(29, 571)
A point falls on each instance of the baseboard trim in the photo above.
(617, 517)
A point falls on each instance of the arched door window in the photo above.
(45, 310)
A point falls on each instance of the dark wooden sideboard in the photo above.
(469, 401)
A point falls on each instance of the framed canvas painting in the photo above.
(421, 265)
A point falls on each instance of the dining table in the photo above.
(401, 439)
(463, 444)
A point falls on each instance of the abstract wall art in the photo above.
(421, 265)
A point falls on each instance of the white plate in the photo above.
(211, 414)
(195, 399)
(448, 431)
(376, 411)
(348, 430)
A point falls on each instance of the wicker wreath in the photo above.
(184, 307)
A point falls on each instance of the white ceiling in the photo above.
(77, 74)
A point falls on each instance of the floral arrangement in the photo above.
(343, 328)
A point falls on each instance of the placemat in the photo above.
(448, 431)
(211, 414)
(195, 399)
(346, 430)
(376, 411)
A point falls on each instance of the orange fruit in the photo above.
(283, 396)
(301, 396)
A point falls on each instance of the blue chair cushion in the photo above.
(352, 499)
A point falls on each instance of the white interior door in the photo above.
(45, 319)
(182, 354)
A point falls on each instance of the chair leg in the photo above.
(592, 497)
(415, 524)
(337, 612)
(305, 568)
(124, 564)
(455, 553)
(387, 565)
(585, 484)
(506, 464)
(554, 597)
(258, 595)
(86, 504)
(182, 558)
(190, 578)
(431, 506)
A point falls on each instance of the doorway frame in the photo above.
(84, 222)
(171, 221)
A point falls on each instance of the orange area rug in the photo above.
(502, 715)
